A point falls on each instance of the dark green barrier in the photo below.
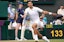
(11, 34)
(28, 34)
(56, 32)
(4, 35)
(51, 33)
(3, 10)
(4, 30)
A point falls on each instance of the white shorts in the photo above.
(29, 24)
(39, 23)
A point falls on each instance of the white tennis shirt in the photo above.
(33, 13)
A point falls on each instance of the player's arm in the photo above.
(9, 12)
(16, 16)
(25, 13)
(8, 16)
(24, 16)
(46, 12)
(50, 13)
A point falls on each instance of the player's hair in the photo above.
(30, 1)
(9, 4)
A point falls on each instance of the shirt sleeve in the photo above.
(26, 11)
(39, 10)
(58, 12)
(9, 11)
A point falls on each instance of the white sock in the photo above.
(36, 37)
(31, 29)
(45, 38)
(16, 37)
(22, 32)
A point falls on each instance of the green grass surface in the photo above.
(51, 40)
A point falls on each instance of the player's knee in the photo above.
(34, 26)
(18, 25)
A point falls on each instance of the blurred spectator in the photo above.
(19, 20)
(11, 15)
(58, 22)
(61, 12)
(44, 19)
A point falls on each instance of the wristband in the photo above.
(50, 13)
(21, 15)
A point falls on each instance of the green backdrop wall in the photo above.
(3, 9)
(52, 32)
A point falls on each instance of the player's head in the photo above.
(61, 7)
(10, 5)
(30, 4)
(20, 5)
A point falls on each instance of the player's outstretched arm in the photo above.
(45, 12)
(50, 13)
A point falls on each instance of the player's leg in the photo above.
(10, 24)
(19, 23)
(40, 35)
(31, 29)
(36, 33)
(43, 37)
(16, 31)
(34, 26)
(22, 32)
